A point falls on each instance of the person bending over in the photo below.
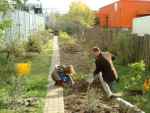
(104, 64)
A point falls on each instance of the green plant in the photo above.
(34, 44)
(80, 77)
(135, 78)
(6, 70)
(65, 38)
(14, 47)
(77, 20)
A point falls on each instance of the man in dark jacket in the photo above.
(105, 65)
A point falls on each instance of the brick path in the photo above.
(54, 102)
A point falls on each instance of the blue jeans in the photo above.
(112, 86)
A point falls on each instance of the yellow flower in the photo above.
(23, 69)
(146, 85)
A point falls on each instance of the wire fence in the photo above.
(24, 24)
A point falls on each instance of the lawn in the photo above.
(35, 83)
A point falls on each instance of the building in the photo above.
(120, 14)
(34, 6)
(141, 26)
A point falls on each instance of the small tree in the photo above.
(77, 20)
(82, 16)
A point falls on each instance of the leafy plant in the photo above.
(66, 39)
(14, 47)
(135, 77)
(80, 77)
(34, 44)
(79, 18)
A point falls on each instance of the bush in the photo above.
(36, 41)
(14, 47)
(6, 70)
(135, 79)
(34, 44)
(80, 77)
(65, 38)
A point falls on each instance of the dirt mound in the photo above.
(81, 86)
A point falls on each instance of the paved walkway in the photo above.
(54, 101)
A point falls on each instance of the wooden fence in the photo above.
(127, 46)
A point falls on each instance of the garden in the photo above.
(132, 61)
(133, 79)
(24, 69)
(24, 65)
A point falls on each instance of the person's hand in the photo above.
(117, 79)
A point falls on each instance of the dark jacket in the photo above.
(105, 65)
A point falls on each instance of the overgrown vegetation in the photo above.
(25, 94)
(131, 82)
(79, 18)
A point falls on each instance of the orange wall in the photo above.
(122, 15)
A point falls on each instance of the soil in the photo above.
(89, 100)
(83, 97)
(75, 56)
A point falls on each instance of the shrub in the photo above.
(135, 79)
(14, 47)
(36, 41)
(34, 44)
(65, 38)
(6, 70)
(80, 77)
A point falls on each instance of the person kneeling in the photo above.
(62, 75)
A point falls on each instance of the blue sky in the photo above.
(63, 5)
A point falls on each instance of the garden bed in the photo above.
(31, 99)
(80, 99)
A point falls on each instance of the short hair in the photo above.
(96, 49)
(69, 69)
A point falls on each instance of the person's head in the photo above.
(96, 51)
(69, 70)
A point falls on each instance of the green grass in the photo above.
(35, 84)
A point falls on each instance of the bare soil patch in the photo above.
(80, 98)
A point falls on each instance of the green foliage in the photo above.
(14, 47)
(82, 14)
(4, 6)
(80, 77)
(138, 67)
(5, 24)
(7, 71)
(36, 41)
(135, 79)
(34, 45)
(66, 38)
(14, 88)
(79, 17)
